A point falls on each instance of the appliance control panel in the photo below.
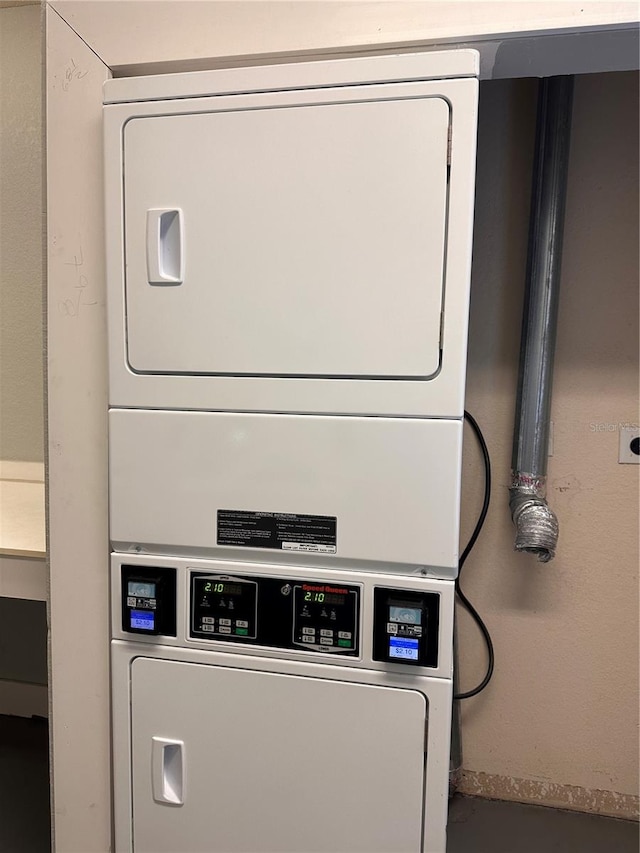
(405, 626)
(324, 617)
(225, 607)
(276, 612)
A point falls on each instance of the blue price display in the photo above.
(143, 620)
(403, 649)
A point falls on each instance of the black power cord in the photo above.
(472, 541)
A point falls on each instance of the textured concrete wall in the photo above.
(21, 211)
(563, 705)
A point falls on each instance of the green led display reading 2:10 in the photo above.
(325, 598)
(226, 588)
(314, 596)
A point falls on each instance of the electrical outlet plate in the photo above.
(629, 451)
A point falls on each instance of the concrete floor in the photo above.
(475, 825)
(491, 826)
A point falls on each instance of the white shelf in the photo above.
(23, 571)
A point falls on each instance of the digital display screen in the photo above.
(325, 598)
(144, 620)
(141, 589)
(402, 648)
(408, 615)
(223, 588)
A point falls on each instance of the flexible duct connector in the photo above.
(536, 523)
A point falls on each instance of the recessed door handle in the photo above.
(165, 256)
(167, 771)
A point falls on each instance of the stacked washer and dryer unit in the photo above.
(289, 254)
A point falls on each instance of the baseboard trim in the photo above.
(572, 797)
(19, 699)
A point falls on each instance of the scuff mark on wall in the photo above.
(549, 793)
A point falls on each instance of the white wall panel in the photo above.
(77, 446)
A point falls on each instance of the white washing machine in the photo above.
(288, 253)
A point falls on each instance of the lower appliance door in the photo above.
(232, 760)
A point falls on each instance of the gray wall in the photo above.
(21, 228)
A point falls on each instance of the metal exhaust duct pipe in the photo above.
(536, 524)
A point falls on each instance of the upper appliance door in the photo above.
(300, 250)
(229, 760)
(287, 240)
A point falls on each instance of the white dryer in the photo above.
(258, 708)
(294, 238)
(288, 253)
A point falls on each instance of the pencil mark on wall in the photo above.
(81, 298)
(71, 73)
